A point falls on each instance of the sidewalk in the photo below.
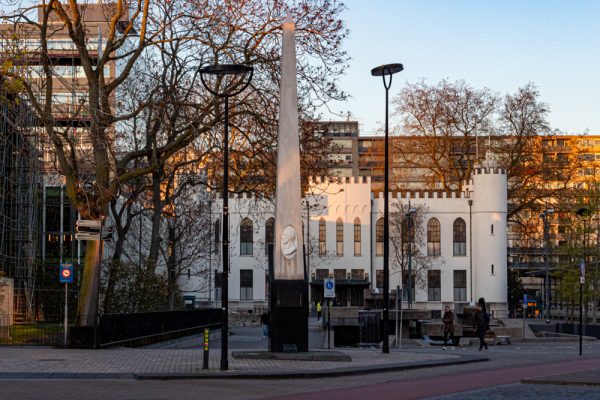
(183, 359)
(48, 363)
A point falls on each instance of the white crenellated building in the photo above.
(458, 254)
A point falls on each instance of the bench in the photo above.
(502, 339)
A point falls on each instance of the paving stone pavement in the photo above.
(181, 361)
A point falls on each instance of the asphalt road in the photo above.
(496, 379)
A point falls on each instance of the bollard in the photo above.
(206, 334)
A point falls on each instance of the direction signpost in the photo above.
(66, 277)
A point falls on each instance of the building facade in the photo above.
(456, 244)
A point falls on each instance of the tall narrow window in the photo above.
(434, 291)
(322, 237)
(433, 237)
(460, 237)
(357, 236)
(269, 234)
(460, 285)
(246, 284)
(379, 237)
(339, 237)
(246, 237)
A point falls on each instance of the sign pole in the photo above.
(397, 322)
(66, 312)
(329, 324)
(401, 295)
(66, 277)
(524, 313)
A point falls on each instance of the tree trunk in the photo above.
(87, 311)
(171, 263)
(156, 219)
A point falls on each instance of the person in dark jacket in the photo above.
(264, 321)
(448, 320)
(481, 323)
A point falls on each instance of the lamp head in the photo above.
(387, 69)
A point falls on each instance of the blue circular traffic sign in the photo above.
(329, 285)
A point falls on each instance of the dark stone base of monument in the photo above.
(289, 316)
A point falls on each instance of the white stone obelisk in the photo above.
(288, 263)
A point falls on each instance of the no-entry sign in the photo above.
(66, 273)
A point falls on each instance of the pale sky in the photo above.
(499, 44)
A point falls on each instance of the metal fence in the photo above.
(49, 332)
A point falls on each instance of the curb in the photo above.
(547, 381)
(63, 375)
(348, 371)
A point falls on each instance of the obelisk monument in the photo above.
(289, 288)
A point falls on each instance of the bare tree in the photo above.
(166, 34)
(444, 119)
(408, 238)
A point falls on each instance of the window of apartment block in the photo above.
(358, 274)
(339, 237)
(246, 283)
(357, 237)
(246, 237)
(379, 279)
(269, 234)
(339, 274)
(321, 274)
(433, 237)
(460, 285)
(459, 230)
(322, 237)
(379, 237)
(434, 290)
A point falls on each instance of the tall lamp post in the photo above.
(386, 72)
(230, 80)
(584, 214)
(545, 216)
(411, 237)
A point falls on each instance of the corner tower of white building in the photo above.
(489, 234)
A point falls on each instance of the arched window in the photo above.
(379, 237)
(322, 237)
(246, 237)
(433, 237)
(269, 234)
(357, 236)
(339, 237)
(459, 230)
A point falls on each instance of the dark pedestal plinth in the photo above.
(289, 316)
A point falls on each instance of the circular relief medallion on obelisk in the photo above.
(289, 242)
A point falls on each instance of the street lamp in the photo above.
(410, 236)
(230, 80)
(545, 216)
(583, 214)
(386, 71)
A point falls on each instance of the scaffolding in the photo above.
(20, 200)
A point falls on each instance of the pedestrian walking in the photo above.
(481, 324)
(448, 320)
(319, 309)
(264, 321)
